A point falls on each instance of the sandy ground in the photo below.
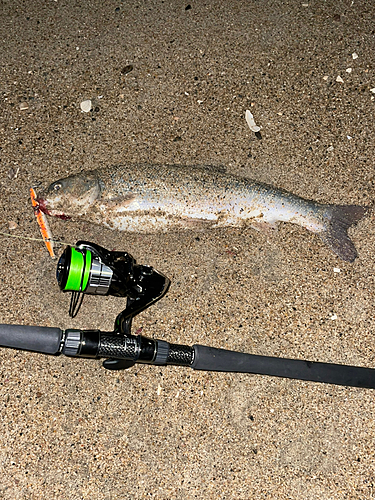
(72, 430)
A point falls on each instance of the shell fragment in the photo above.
(86, 106)
(251, 122)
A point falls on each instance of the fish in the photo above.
(148, 198)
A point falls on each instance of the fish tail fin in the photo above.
(335, 233)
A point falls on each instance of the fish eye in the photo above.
(56, 187)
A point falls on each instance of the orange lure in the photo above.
(43, 224)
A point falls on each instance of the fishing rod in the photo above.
(87, 268)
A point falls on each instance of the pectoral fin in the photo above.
(117, 202)
(123, 200)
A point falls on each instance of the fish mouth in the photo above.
(42, 206)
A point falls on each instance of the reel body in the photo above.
(88, 268)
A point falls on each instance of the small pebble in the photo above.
(86, 106)
(339, 79)
(336, 270)
(127, 69)
(12, 225)
(330, 148)
(24, 106)
(333, 317)
(349, 70)
(372, 90)
(354, 55)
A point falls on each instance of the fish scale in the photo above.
(152, 198)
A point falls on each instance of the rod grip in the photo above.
(221, 360)
(31, 338)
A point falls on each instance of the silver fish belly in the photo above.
(154, 198)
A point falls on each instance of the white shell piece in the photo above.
(250, 121)
(86, 106)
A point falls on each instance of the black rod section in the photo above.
(221, 360)
(31, 338)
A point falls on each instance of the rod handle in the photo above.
(42, 339)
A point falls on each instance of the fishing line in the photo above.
(37, 239)
(77, 295)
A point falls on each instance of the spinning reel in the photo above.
(88, 268)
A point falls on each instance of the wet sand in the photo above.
(170, 83)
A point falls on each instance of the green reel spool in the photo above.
(77, 272)
(80, 269)
(73, 269)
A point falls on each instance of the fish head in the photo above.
(71, 196)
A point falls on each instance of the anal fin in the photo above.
(267, 228)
